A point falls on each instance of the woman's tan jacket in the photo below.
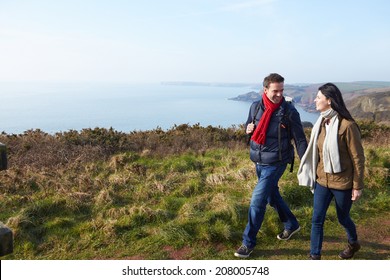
(351, 157)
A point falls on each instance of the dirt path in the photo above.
(374, 236)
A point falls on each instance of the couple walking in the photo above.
(331, 164)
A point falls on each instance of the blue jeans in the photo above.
(267, 191)
(322, 198)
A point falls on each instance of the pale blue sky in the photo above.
(194, 40)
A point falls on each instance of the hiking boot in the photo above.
(350, 251)
(286, 234)
(314, 257)
(243, 252)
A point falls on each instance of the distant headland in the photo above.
(366, 100)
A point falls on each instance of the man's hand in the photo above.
(250, 128)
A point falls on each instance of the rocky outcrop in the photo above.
(373, 107)
(6, 240)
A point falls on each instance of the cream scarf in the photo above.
(331, 157)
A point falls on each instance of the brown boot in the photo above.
(314, 257)
(350, 251)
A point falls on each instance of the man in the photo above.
(272, 122)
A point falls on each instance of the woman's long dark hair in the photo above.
(332, 92)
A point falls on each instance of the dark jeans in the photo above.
(267, 191)
(322, 198)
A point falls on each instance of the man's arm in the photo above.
(298, 133)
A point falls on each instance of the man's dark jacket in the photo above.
(285, 123)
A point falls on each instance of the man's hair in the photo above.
(272, 78)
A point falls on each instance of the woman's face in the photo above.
(322, 103)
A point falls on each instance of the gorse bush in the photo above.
(181, 193)
(37, 149)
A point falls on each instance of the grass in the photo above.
(167, 204)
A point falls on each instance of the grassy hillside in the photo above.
(176, 194)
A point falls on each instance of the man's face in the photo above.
(275, 92)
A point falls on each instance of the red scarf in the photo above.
(261, 129)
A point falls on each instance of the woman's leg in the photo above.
(343, 207)
(322, 198)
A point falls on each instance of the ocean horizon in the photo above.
(60, 107)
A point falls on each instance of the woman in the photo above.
(333, 166)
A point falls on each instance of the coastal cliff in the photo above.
(366, 100)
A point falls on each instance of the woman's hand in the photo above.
(356, 194)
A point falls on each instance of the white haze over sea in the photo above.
(58, 107)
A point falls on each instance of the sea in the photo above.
(60, 107)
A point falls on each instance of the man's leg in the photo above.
(276, 201)
(268, 176)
